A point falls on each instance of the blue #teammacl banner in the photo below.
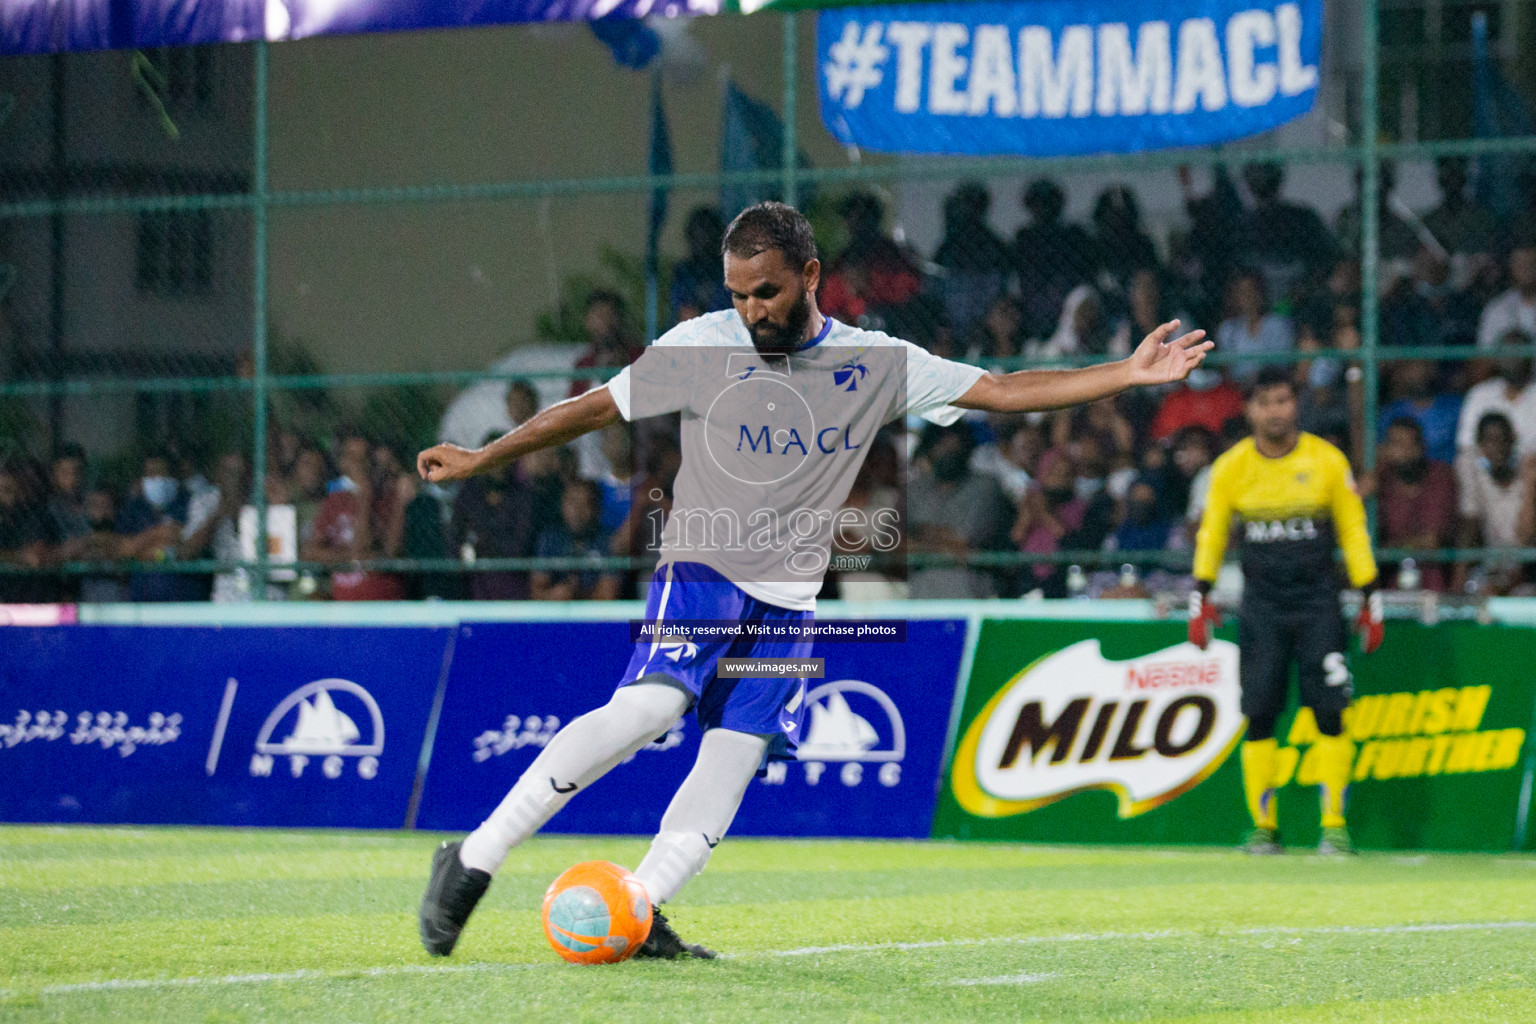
(1062, 77)
(868, 763)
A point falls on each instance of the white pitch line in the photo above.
(1389, 929)
(119, 984)
(1006, 979)
(122, 984)
(877, 947)
(1035, 940)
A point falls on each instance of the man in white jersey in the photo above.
(778, 407)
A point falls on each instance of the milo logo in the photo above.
(1146, 729)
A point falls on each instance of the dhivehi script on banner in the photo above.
(1060, 77)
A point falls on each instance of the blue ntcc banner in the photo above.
(869, 761)
(1060, 77)
(325, 726)
(232, 726)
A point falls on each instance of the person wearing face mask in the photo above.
(1508, 392)
(952, 510)
(1415, 499)
(150, 525)
(1493, 495)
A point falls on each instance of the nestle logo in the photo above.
(1147, 729)
(1172, 674)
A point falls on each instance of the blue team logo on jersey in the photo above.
(848, 376)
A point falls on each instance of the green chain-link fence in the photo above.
(279, 268)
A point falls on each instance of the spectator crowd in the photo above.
(1455, 464)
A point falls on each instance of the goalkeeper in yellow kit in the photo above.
(1294, 498)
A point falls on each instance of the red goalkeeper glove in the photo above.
(1369, 622)
(1203, 616)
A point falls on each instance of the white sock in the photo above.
(701, 811)
(578, 756)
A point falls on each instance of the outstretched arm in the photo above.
(1155, 361)
(561, 422)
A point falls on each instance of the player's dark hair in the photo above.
(1272, 376)
(1490, 420)
(1408, 423)
(771, 226)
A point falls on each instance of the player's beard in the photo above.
(771, 339)
(1277, 432)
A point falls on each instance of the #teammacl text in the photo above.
(1091, 70)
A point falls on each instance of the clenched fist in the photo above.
(444, 462)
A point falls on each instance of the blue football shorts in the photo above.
(765, 706)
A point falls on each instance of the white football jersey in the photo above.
(771, 445)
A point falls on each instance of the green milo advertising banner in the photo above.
(1125, 733)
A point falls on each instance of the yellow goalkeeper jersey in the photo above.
(1292, 511)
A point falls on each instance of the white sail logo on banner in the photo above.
(1147, 729)
(319, 728)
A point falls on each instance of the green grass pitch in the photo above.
(170, 925)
